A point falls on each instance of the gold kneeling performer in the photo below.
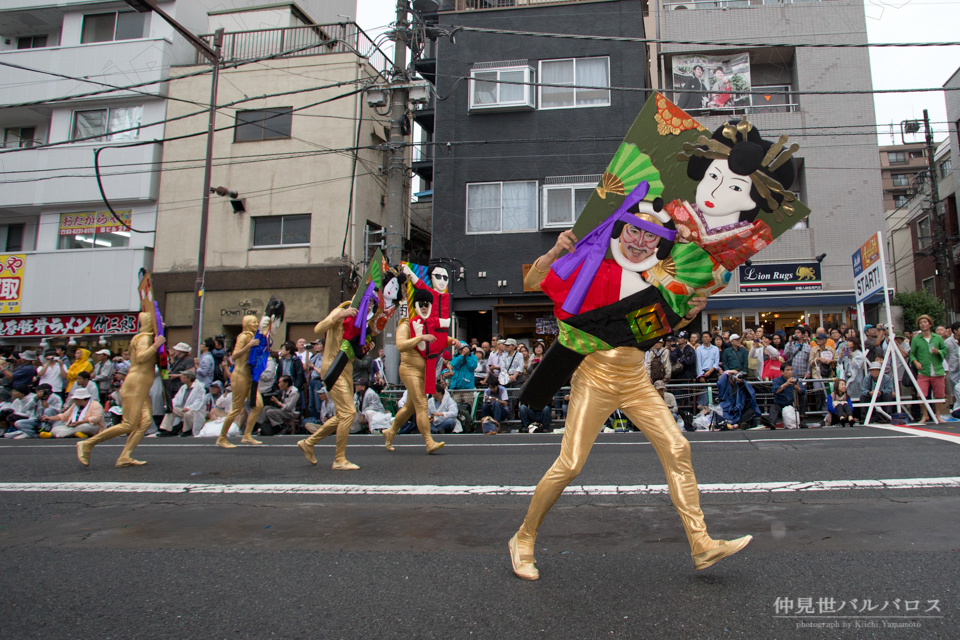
(240, 382)
(135, 394)
(412, 371)
(604, 382)
(341, 394)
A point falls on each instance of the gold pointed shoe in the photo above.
(344, 465)
(307, 451)
(225, 444)
(434, 447)
(710, 557)
(129, 462)
(388, 439)
(524, 566)
(249, 440)
(82, 454)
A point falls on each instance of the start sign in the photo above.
(868, 268)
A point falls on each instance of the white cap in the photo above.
(875, 365)
(182, 346)
(735, 336)
(81, 394)
(104, 352)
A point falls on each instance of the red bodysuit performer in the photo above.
(437, 323)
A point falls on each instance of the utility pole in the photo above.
(396, 176)
(205, 204)
(941, 245)
(396, 167)
(213, 56)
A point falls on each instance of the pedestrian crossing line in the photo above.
(923, 432)
(468, 490)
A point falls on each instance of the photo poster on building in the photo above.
(11, 281)
(783, 276)
(93, 222)
(705, 83)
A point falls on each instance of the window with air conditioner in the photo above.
(563, 200)
(923, 233)
(32, 42)
(896, 157)
(281, 231)
(575, 83)
(506, 88)
(115, 123)
(19, 137)
(107, 27)
(263, 124)
(502, 207)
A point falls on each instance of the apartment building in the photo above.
(80, 76)
(298, 153)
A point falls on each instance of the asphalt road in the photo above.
(256, 543)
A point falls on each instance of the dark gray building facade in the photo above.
(513, 162)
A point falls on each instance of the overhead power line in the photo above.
(796, 92)
(705, 43)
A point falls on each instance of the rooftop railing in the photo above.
(312, 40)
(469, 5)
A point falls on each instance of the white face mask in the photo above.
(440, 279)
(392, 290)
(723, 192)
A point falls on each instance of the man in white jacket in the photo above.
(187, 406)
(443, 412)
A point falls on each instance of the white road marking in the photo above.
(187, 445)
(923, 432)
(469, 490)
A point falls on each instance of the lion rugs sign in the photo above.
(782, 276)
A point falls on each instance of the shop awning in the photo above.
(769, 301)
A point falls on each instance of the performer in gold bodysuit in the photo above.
(605, 381)
(240, 382)
(412, 371)
(341, 393)
(135, 394)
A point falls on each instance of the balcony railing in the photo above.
(470, 5)
(320, 39)
(781, 99)
(727, 4)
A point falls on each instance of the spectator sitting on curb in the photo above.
(82, 419)
(443, 411)
(46, 403)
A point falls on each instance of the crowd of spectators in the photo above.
(713, 378)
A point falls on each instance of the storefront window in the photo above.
(812, 319)
(832, 320)
(786, 320)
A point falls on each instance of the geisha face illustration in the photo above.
(722, 192)
(391, 291)
(637, 245)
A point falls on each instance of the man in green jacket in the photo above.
(735, 357)
(927, 351)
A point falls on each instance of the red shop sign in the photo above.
(73, 325)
